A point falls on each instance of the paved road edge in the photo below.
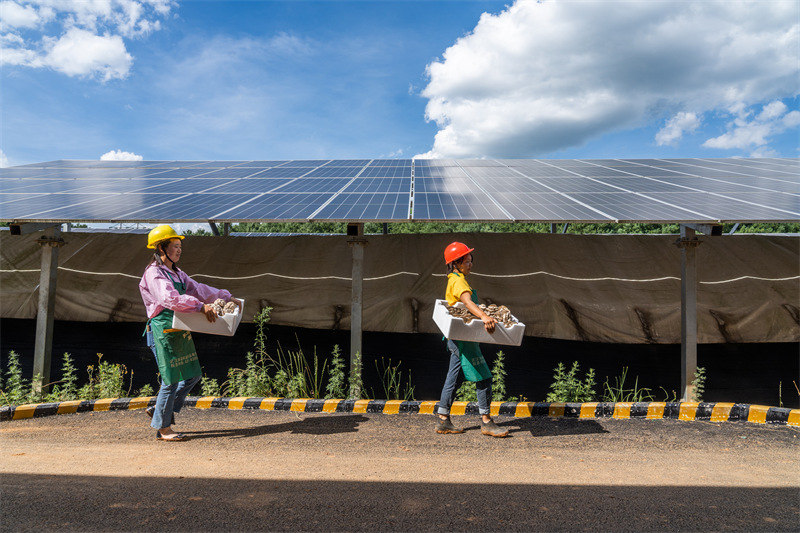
(714, 412)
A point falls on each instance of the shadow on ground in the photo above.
(92, 503)
(318, 425)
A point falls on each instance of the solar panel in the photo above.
(92, 186)
(396, 171)
(517, 184)
(263, 164)
(491, 172)
(589, 190)
(189, 185)
(378, 206)
(461, 206)
(348, 163)
(219, 164)
(334, 172)
(255, 185)
(724, 209)
(22, 172)
(231, 173)
(283, 172)
(192, 208)
(375, 185)
(6, 197)
(306, 163)
(421, 163)
(315, 185)
(435, 185)
(574, 184)
(439, 172)
(391, 163)
(61, 206)
(631, 207)
(276, 207)
(547, 207)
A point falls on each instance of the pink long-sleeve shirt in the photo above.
(158, 292)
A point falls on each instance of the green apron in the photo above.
(175, 351)
(472, 362)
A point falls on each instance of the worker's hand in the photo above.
(489, 323)
(209, 312)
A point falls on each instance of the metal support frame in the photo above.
(553, 228)
(356, 240)
(43, 347)
(214, 229)
(688, 244)
(705, 229)
(226, 228)
(23, 228)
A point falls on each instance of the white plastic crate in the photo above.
(455, 329)
(197, 322)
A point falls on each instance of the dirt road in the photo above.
(260, 470)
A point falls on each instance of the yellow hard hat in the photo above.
(161, 233)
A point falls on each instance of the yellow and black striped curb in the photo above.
(715, 412)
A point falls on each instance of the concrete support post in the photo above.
(43, 346)
(357, 243)
(688, 244)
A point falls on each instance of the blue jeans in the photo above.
(170, 398)
(453, 381)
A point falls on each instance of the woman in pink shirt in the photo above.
(165, 288)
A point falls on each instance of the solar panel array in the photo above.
(401, 190)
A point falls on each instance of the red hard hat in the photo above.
(456, 250)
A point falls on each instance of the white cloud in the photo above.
(3, 159)
(544, 76)
(119, 155)
(772, 110)
(745, 134)
(13, 15)
(676, 127)
(82, 53)
(86, 39)
(791, 119)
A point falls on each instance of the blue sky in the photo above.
(161, 79)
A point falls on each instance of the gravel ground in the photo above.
(261, 470)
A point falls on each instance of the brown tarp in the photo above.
(604, 288)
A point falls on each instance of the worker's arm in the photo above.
(488, 322)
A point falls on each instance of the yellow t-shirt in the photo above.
(456, 286)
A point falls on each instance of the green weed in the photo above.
(146, 390)
(17, 389)
(356, 381)
(337, 379)
(106, 380)
(618, 392)
(699, 384)
(568, 387)
(392, 381)
(209, 387)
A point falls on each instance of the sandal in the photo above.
(173, 436)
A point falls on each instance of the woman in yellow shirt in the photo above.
(466, 356)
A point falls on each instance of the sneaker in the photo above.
(491, 429)
(446, 426)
